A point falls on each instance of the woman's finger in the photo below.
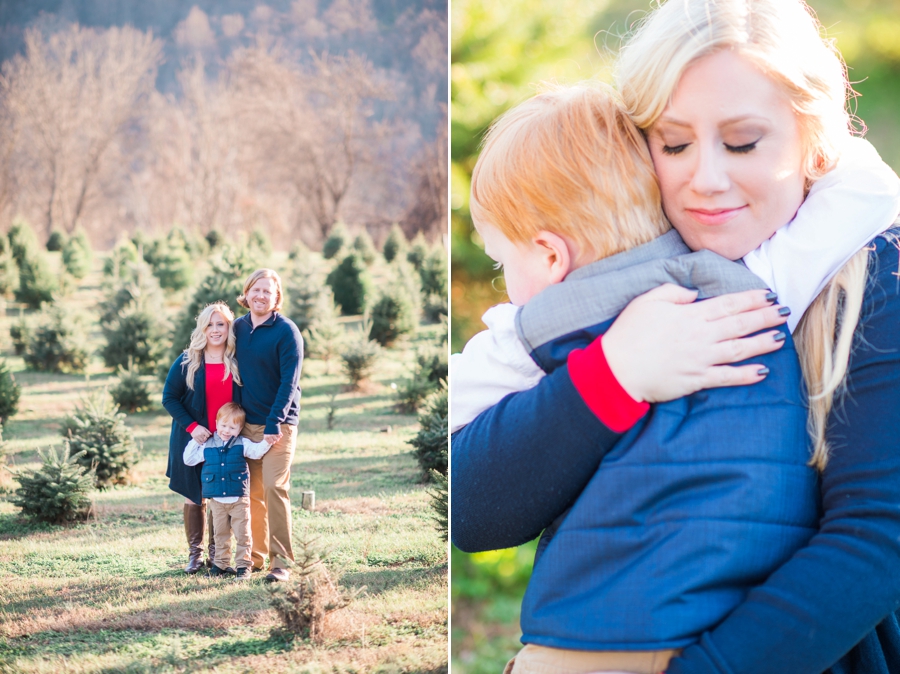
(736, 350)
(733, 304)
(749, 322)
(730, 375)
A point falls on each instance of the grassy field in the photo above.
(109, 595)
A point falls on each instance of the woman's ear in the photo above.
(558, 258)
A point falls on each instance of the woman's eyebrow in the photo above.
(674, 121)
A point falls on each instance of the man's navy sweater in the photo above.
(270, 357)
(811, 611)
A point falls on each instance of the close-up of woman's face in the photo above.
(727, 150)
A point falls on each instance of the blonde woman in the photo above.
(743, 107)
(200, 381)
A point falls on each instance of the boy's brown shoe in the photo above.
(278, 575)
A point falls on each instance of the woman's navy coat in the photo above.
(186, 407)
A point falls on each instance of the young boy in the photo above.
(565, 179)
(226, 481)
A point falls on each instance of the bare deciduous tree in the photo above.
(73, 96)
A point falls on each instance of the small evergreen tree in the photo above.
(418, 251)
(21, 334)
(58, 491)
(121, 261)
(434, 273)
(352, 285)
(337, 239)
(396, 244)
(131, 323)
(359, 358)
(393, 316)
(324, 338)
(97, 431)
(56, 241)
(364, 245)
(260, 240)
(299, 251)
(36, 282)
(77, 255)
(214, 239)
(131, 393)
(172, 265)
(439, 495)
(22, 241)
(430, 443)
(224, 283)
(10, 392)
(308, 295)
(9, 269)
(57, 344)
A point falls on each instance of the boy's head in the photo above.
(230, 420)
(563, 179)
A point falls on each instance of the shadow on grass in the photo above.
(384, 580)
(14, 527)
(275, 643)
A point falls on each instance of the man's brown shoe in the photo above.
(278, 575)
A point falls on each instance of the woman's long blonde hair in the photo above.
(784, 40)
(193, 355)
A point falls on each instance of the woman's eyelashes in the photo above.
(734, 149)
(741, 149)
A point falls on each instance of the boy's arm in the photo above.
(193, 453)
(255, 450)
(493, 364)
(845, 209)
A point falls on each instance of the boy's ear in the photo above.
(558, 256)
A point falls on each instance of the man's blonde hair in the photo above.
(569, 161)
(253, 278)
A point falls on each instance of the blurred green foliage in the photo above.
(499, 52)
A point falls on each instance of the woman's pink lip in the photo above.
(717, 216)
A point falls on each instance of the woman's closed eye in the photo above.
(741, 149)
(674, 149)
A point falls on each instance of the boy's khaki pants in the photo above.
(228, 517)
(542, 660)
(270, 500)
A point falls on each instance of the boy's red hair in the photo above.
(569, 161)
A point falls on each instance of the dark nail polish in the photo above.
(779, 337)
(763, 371)
(771, 297)
(784, 311)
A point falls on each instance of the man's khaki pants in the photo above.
(270, 500)
(228, 517)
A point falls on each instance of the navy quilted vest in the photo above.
(703, 499)
(225, 471)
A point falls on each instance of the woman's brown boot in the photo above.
(194, 524)
(211, 549)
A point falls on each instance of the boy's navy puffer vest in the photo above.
(703, 499)
(225, 471)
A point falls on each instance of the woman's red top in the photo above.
(218, 393)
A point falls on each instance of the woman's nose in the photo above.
(710, 175)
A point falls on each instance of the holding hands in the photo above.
(200, 434)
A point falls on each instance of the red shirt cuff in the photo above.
(601, 392)
(190, 429)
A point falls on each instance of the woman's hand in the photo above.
(200, 434)
(664, 346)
